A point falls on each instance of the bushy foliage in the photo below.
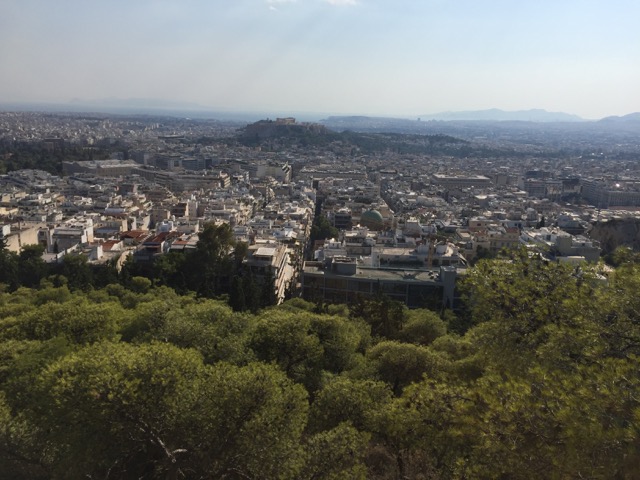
(142, 382)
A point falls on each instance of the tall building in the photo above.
(611, 194)
(270, 259)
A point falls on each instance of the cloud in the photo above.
(341, 2)
(274, 4)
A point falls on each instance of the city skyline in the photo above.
(369, 57)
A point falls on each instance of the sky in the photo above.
(363, 57)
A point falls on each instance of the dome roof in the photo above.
(372, 219)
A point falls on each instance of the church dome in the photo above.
(372, 219)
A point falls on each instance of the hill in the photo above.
(630, 119)
(281, 128)
(285, 133)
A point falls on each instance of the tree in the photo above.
(251, 292)
(77, 320)
(424, 432)
(385, 316)
(422, 327)
(155, 410)
(210, 327)
(115, 406)
(527, 306)
(340, 339)
(115, 383)
(249, 423)
(555, 424)
(400, 364)
(615, 315)
(210, 266)
(322, 229)
(240, 253)
(78, 272)
(20, 454)
(31, 266)
(9, 265)
(348, 400)
(140, 284)
(336, 454)
(288, 340)
(105, 274)
(56, 293)
(172, 270)
(237, 295)
(482, 253)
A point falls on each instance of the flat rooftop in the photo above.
(385, 274)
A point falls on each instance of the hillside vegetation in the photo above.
(536, 378)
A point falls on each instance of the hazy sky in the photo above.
(372, 57)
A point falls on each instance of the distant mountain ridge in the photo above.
(142, 103)
(130, 106)
(497, 115)
(631, 118)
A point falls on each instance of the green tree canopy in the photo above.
(156, 410)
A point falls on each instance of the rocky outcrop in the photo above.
(616, 233)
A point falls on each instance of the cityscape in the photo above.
(363, 248)
(408, 212)
(319, 240)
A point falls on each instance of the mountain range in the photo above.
(176, 108)
(497, 115)
(630, 119)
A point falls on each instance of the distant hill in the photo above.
(448, 122)
(497, 115)
(282, 127)
(287, 132)
(631, 119)
(505, 138)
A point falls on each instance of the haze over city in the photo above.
(368, 57)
